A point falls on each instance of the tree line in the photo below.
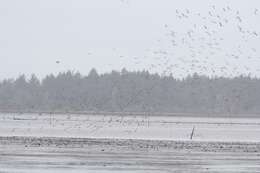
(125, 91)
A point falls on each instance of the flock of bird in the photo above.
(220, 42)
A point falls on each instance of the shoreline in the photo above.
(130, 144)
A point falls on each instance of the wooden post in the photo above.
(192, 133)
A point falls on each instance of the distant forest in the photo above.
(126, 91)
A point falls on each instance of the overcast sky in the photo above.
(210, 37)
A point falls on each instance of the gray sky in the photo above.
(160, 35)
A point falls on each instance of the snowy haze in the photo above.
(136, 34)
